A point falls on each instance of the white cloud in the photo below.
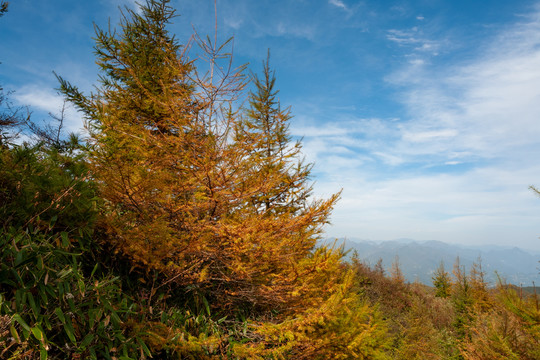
(424, 136)
(458, 167)
(133, 4)
(338, 3)
(415, 39)
(42, 99)
(234, 23)
(491, 102)
(389, 158)
(417, 62)
(282, 28)
(402, 36)
(295, 30)
(480, 206)
(243, 16)
(47, 101)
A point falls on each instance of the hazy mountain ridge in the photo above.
(418, 259)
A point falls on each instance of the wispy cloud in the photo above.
(134, 4)
(424, 136)
(413, 38)
(44, 101)
(294, 30)
(339, 4)
(403, 36)
(458, 165)
(285, 27)
(234, 23)
(492, 102)
(473, 207)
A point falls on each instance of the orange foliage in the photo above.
(213, 198)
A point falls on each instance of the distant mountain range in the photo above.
(419, 259)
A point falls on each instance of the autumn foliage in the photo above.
(212, 195)
(208, 195)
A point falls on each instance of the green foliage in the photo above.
(264, 130)
(11, 120)
(47, 188)
(442, 282)
(463, 301)
(54, 309)
(53, 306)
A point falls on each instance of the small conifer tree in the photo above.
(232, 219)
(395, 271)
(442, 282)
(479, 286)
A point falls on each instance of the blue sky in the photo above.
(426, 112)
